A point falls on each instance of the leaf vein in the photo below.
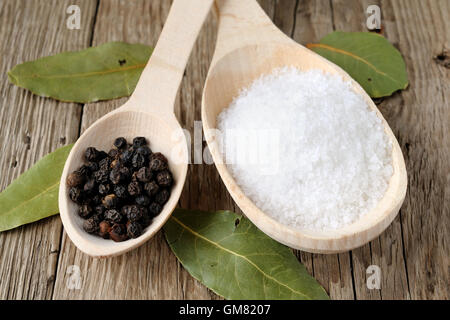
(32, 198)
(238, 255)
(86, 74)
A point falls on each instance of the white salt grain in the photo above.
(331, 162)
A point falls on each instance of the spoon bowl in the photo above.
(128, 124)
(249, 46)
(148, 113)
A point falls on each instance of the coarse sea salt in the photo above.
(306, 149)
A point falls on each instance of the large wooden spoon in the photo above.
(248, 46)
(150, 113)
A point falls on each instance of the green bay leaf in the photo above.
(368, 58)
(232, 257)
(108, 71)
(33, 195)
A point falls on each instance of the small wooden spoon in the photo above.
(248, 46)
(149, 113)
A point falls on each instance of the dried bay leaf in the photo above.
(108, 71)
(368, 58)
(33, 195)
(232, 257)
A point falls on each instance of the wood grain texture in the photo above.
(31, 127)
(420, 117)
(412, 253)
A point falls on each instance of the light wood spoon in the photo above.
(248, 46)
(150, 113)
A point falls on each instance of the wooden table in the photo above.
(413, 253)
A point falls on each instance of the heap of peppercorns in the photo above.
(119, 192)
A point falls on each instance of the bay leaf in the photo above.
(108, 71)
(368, 58)
(232, 257)
(33, 195)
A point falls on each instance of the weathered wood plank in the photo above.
(30, 128)
(313, 20)
(420, 118)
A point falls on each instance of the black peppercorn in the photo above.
(104, 229)
(119, 175)
(96, 199)
(101, 176)
(115, 177)
(142, 200)
(144, 174)
(134, 229)
(93, 166)
(138, 161)
(75, 179)
(98, 217)
(115, 164)
(113, 153)
(124, 211)
(113, 215)
(126, 156)
(151, 188)
(84, 171)
(102, 155)
(91, 154)
(76, 195)
(158, 162)
(154, 208)
(90, 225)
(134, 177)
(144, 150)
(120, 143)
(104, 189)
(110, 201)
(90, 186)
(144, 210)
(134, 188)
(120, 191)
(162, 197)
(118, 232)
(139, 142)
(125, 173)
(105, 164)
(146, 220)
(164, 178)
(99, 209)
(134, 212)
(85, 211)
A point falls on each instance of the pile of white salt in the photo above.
(329, 160)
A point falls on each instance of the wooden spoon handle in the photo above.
(243, 23)
(159, 82)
